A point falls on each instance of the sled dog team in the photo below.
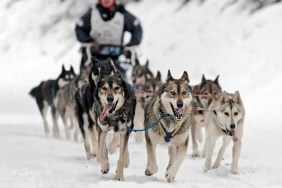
(101, 106)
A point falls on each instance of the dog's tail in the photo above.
(33, 91)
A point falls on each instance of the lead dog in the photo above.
(171, 109)
(226, 119)
(114, 110)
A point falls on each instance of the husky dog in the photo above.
(226, 118)
(45, 95)
(66, 101)
(84, 102)
(171, 109)
(203, 95)
(141, 74)
(114, 110)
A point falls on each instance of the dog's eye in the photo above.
(172, 93)
(184, 92)
(226, 113)
(104, 88)
(117, 88)
(236, 113)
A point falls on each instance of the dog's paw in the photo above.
(215, 165)
(148, 173)
(206, 169)
(119, 177)
(93, 154)
(151, 170)
(89, 156)
(234, 171)
(105, 168)
(170, 174)
(196, 154)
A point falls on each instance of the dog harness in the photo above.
(167, 135)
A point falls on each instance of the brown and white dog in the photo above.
(171, 110)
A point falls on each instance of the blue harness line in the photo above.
(155, 123)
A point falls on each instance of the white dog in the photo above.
(226, 118)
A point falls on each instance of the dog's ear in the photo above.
(94, 60)
(111, 62)
(147, 63)
(72, 70)
(159, 76)
(63, 68)
(92, 82)
(224, 97)
(118, 74)
(216, 80)
(237, 98)
(162, 88)
(103, 73)
(169, 77)
(137, 63)
(203, 79)
(185, 77)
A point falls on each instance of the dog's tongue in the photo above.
(105, 111)
(181, 110)
(235, 138)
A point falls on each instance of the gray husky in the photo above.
(226, 118)
(46, 95)
(66, 102)
(170, 109)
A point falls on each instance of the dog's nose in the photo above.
(179, 104)
(110, 99)
(232, 126)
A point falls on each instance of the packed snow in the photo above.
(244, 49)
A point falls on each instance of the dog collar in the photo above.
(167, 135)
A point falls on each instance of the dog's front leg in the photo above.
(102, 156)
(180, 153)
(124, 135)
(236, 150)
(152, 166)
(226, 141)
(194, 130)
(114, 143)
(210, 141)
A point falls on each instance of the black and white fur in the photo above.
(45, 95)
(114, 110)
(84, 103)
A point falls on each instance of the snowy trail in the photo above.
(29, 159)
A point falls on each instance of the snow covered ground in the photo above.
(244, 50)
